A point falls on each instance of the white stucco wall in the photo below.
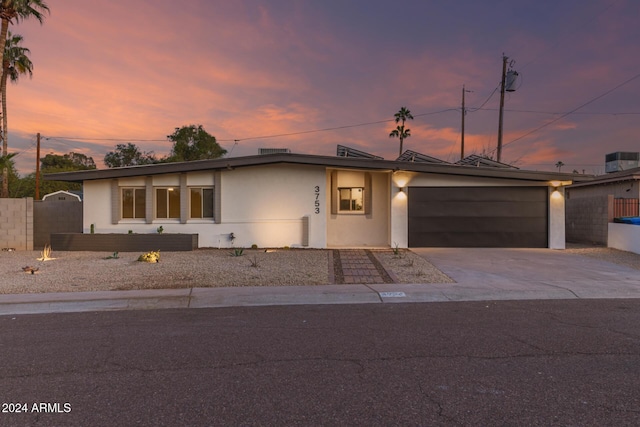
(262, 205)
(357, 229)
(265, 205)
(557, 218)
(625, 237)
(96, 207)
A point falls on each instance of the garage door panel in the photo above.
(482, 240)
(483, 209)
(488, 225)
(478, 217)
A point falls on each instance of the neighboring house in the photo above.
(298, 200)
(592, 205)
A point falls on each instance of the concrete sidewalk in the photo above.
(480, 275)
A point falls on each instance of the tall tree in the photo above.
(128, 155)
(52, 163)
(6, 164)
(12, 11)
(559, 165)
(400, 131)
(15, 63)
(193, 143)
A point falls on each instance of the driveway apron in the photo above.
(534, 270)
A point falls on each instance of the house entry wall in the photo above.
(478, 217)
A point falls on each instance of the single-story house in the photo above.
(591, 205)
(299, 200)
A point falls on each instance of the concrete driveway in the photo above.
(500, 273)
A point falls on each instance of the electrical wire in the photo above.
(592, 100)
(235, 140)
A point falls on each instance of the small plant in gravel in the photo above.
(160, 230)
(254, 246)
(113, 256)
(237, 252)
(397, 253)
(254, 262)
(45, 255)
(153, 256)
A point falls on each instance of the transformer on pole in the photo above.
(508, 84)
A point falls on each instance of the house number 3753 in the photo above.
(316, 203)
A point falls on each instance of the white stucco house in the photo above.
(299, 200)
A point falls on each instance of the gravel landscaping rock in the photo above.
(93, 271)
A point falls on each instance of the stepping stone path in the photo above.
(359, 266)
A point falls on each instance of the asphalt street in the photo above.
(553, 362)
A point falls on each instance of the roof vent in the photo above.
(262, 151)
(621, 161)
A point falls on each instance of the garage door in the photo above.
(478, 217)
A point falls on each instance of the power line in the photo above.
(572, 111)
(68, 138)
(335, 128)
(555, 113)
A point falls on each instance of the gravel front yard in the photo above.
(92, 271)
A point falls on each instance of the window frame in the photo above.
(135, 215)
(352, 201)
(211, 218)
(177, 210)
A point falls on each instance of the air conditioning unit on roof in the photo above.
(621, 161)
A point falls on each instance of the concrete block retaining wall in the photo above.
(16, 224)
(123, 242)
(587, 219)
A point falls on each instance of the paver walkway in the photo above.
(359, 266)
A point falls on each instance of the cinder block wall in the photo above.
(587, 219)
(55, 216)
(16, 224)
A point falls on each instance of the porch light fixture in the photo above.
(401, 189)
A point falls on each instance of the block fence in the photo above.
(16, 224)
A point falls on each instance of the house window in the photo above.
(351, 199)
(168, 202)
(133, 203)
(201, 202)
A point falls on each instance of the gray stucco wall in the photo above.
(587, 219)
(55, 216)
(16, 224)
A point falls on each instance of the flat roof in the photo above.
(311, 160)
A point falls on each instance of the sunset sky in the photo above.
(109, 72)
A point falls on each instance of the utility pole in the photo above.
(504, 77)
(464, 113)
(507, 84)
(38, 168)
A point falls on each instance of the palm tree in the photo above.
(400, 132)
(19, 10)
(559, 165)
(16, 62)
(5, 164)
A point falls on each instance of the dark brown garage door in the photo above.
(495, 217)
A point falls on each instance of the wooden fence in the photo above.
(625, 207)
